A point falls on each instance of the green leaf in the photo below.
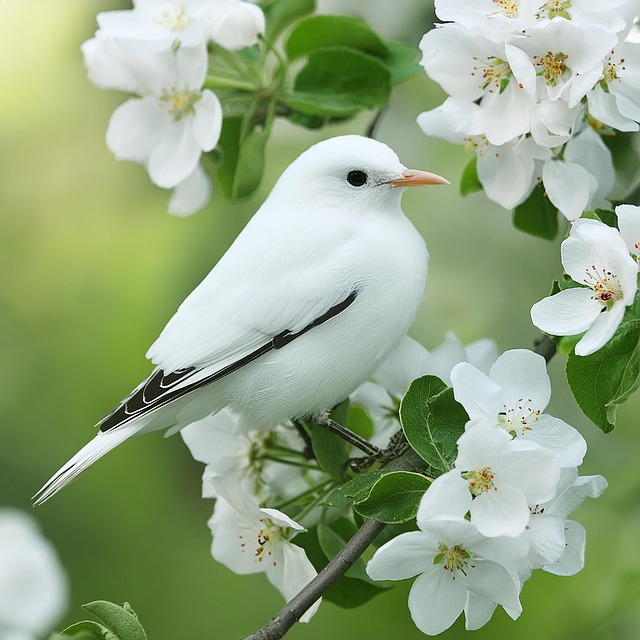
(339, 82)
(360, 421)
(394, 498)
(625, 158)
(321, 32)
(279, 14)
(536, 215)
(401, 60)
(603, 215)
(469, 182)
(330, 451)
(307, 121)
(241, 150)
(432, 421)
(86, 630)
(228, 150)
(357, 488)
(122, 622)
(603, 380)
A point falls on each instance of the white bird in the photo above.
(311, 297)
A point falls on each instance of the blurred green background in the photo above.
(92, 267)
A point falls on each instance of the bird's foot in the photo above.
(395, 448)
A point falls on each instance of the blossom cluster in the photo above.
(501, 511)
(533, 86)
(249, 464)
(157, 52)
(604, 281)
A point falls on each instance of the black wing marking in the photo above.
(159, 388)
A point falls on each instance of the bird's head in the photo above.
(351, 173)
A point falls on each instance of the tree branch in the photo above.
(293, 610)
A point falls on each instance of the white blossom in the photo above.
(556, 543)
(171, 121)
(472, 68)
(615, 98)
(33, 586)
(547, 60)
(597, 257)
(629, 224)
(452, 561)
(513, 397)
(161, 25)
(506, 175)
(249, 539)
(236, 448)
(494, 479)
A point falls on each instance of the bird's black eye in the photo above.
(356, 178)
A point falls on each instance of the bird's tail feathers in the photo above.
(92, 451)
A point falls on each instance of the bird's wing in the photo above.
(212, 336)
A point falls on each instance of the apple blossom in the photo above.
(234, 447)
(596, 256)
(602, 13)
(615, 98)
(513, 397)
(545, 61)
(505, 174)
(557, 544)
(629, 224)
(248, 539)
(452, 560)
(494, 479)
(161, 25)
(470, 67)
(33, 586)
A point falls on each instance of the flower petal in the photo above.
(521, 373)
(629, 224)
(436, 600)
(557, 436)
(601, 331)
(493, 581)
(292, 574)
(207, 120)
(191, 194)
(403, 557)
(135, 129)
(476, 392)
(567, 313)
(569, 187)
(448, 495)
(584, 487)
(175, 156)
(546, 534)
(572, 559)
(503, 512)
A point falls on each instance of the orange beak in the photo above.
(417, 178)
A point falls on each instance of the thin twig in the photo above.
(371, 129)
(293, 610)
(545, 347)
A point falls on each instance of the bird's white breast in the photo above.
(385, 262)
